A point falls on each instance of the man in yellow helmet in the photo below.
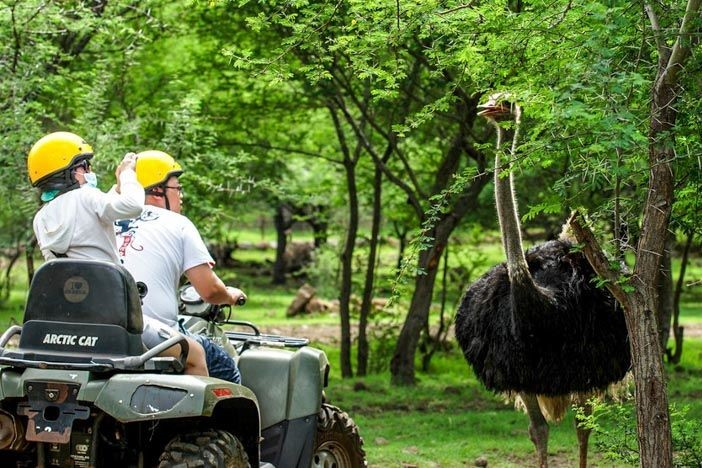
(161, 245)
(78, 223)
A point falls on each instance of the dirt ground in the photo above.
(330, 334)
(325, 334)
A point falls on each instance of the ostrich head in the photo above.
(500, 107)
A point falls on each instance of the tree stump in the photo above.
(302, 297)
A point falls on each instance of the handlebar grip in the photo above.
(241, 301)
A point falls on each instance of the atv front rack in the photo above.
(244, 340)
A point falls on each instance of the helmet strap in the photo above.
(63, 182)
(162, 193)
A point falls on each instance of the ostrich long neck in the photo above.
(507, 204)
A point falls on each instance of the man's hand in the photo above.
(237, 296)
(128, 162)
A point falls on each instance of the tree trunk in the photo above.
(401, 234)
(282, 222)
(7, 283)
(349, 163)
(318, 220)
(402, 364)
(653, 419)
(433, 342)
(347, 269)
(674, 356)
(366, 303)
(641, 302)
(319, 230)
(29, 258)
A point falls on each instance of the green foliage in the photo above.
(422, 240)
(55, 77)
(255, 76)
(383, 337)
(615, 429)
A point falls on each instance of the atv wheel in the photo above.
(208, 449)
(338, 443)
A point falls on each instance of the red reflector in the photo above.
(222, 392)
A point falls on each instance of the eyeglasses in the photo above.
(85, 164)
(179, 188)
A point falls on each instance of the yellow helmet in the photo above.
(54, 153)
(154, 168)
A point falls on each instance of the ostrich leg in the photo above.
(538, 427)
(583, 433)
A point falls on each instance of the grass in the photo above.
(691, 312)
(449, 420)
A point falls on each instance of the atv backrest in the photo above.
(85, 307)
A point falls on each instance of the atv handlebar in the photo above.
(240, 301)
(191, 303)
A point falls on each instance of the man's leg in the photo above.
(196, 363)
(155, 333)
(219, 363)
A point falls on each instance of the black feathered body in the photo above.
(566, 335)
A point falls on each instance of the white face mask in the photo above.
(90, 179)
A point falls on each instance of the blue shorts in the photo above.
(219, 363)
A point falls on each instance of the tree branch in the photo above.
(377, 160)
(278, 148)
(16, 36)
(681, 47)
(343, 82)
(301, 41)
(341, 136)
(595, 256)
(454, 9)
(656, 27)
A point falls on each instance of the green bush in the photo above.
(615, 430)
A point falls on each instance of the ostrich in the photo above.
(536, 327)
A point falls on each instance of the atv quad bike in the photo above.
(80, 389)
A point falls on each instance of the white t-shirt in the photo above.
(157, 248)
(80, 223)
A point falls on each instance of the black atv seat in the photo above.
(80, 307)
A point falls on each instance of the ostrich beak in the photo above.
(491, 110)
(488, 110)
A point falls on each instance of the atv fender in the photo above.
(138, 397)
(14, 381)
(287, 384)
(145, 397)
